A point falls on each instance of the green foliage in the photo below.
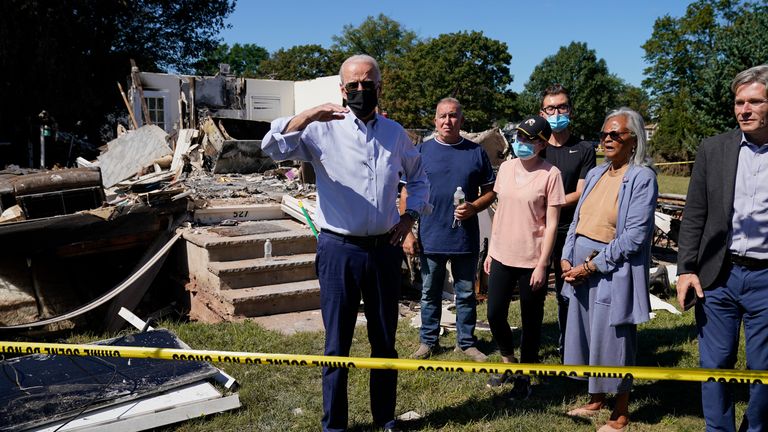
(677, 134)
(244, 60)
(65, 56)
(301, 62)
(633, 97)
(594, 91)
(381, 38)
(692, 62)
(467, 65)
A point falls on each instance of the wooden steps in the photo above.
(229, 278)
(257, 272)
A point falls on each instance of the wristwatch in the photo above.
(413, 214)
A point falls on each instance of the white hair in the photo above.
(360, 58)
(636, 126)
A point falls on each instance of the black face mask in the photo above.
(362, 102)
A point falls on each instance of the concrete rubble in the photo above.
(212, 175)
(146, 170)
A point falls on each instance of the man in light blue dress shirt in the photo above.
(359, 157)
(723, 254)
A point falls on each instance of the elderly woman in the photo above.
(605, 262)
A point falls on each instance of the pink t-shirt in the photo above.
(520, 219)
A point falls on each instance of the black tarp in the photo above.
(40, 389)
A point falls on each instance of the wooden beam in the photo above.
(191, 81)
(183, 143)
(290, 206)
(128, 106)
(106, 245)
(136, 80)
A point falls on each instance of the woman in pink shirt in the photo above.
(530, 193)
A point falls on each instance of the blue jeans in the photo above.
(463, 268)
(740, 295)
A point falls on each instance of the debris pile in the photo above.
(109, 392)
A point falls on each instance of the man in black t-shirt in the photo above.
(573, 157)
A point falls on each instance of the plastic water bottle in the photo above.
(458, 197)
(268, 250)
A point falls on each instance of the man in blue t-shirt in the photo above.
(451, 233)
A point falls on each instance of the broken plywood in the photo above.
(128, 154)
(183, 144)
(290, 206)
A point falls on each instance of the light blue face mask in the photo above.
(523, 150)
(558, 122)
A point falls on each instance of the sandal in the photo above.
(583, 412)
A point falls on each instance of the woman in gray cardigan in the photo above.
(605, 262)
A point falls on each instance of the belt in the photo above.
(748, 263)
(367, 242)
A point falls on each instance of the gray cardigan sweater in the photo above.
(625, 260)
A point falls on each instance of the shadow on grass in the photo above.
(489, 407)
(663, 346)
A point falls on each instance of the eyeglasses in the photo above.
(367, 85)
(739, 103)
(552, 109)
(615, 135)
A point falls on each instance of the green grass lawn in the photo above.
(667, 183)
(286, 398)
(673, 184)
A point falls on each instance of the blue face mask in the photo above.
(523, 150)
(558, 122)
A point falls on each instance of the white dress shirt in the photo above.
(358, 167)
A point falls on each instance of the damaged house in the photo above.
(83, 243)
(190, 163)
(233, 112)
(80, 233)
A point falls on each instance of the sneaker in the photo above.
(472, 353)
(498, 380)
(522, 389)
(423, 352)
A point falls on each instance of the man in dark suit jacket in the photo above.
(723, 254)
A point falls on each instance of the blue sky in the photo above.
(532, 30)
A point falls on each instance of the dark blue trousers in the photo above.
(740, 295)
(347, 271)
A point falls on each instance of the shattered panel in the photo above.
(131, 152)
(39, 389)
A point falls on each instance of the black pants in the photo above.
(503, 282)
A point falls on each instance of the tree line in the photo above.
(65, 57)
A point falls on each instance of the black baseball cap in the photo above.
(535, 126)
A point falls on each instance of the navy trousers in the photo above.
(740, 295)
(348, 271)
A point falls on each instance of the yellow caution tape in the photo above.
(673, 163)
(637, 372)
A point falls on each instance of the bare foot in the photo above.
(618, 421)
(588, 410)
